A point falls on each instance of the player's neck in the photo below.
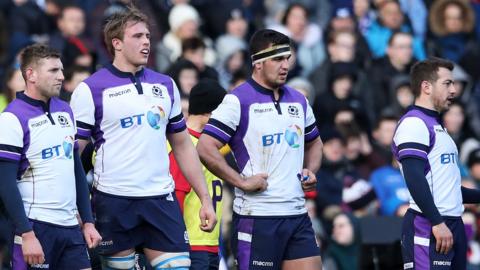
(197, 122)
(125, 66)
(422, 102)
(261, 82)
(34, 94)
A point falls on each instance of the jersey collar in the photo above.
(123, 74)
(426, 111)
(34, 102)
(264, 90)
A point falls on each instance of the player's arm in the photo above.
(10, 195)
(412, 139)
(313, 151)
(92, 237)
(189, 163)
(83, 109)
(182, 187)
(208, 149)
(11, 147)
(470, 195)
(417, 184)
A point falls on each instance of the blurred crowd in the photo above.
(351, 60)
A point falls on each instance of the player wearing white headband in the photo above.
(272, 133)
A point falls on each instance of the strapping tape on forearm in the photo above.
(271, 52)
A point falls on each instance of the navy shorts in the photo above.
(418, 244)
(126, 223)
(204, 260)
(64, 248)
(265, 242)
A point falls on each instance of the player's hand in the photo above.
(308, 179)
(444, 238)
(255, 183)
(31, 248)
(92, 237)
(208, 218)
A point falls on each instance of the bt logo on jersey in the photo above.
(448, 158)
(54, 151)
(291, 135)
(154, 116)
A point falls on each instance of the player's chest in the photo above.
(127, 104)
(271, 116)
(51, 137)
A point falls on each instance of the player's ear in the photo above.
(426, 87)
(30, 74)
(117, 44)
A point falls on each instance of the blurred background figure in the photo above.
(307, 37)
(343, 250)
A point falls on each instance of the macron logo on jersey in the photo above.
(119, 93)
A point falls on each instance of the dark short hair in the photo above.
(32, 54)
(117, 22)
(427, 70)
(72, 70)
(193, 43)
(265, 38)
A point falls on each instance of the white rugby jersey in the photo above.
(128, 117)
(41, 137)
(420, 134)
(266, 137)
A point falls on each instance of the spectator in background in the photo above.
(236, 25)
(470, 220)
(401, 95)
(13, 83)
(303, 86)
(231, 52)
(306, 35)
(28, 24)
(452, 23)
(364, 15)
(390, 19)
(341, 187)
(184, 23)
(473, 164)
(416, 13)
(397, 61)
(339, 97)
(185, 74)
(194, 50)
(69, 39)
(454, 121)
(73, 76)
(466, 97)
(342, 20)
(391, 190)
(343, 250)
(357, 147)
(341, 47)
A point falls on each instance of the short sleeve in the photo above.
(412, 138)
(311, 130)
(11, 137)
(83, 109)
(176, 121)
(225, 119)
